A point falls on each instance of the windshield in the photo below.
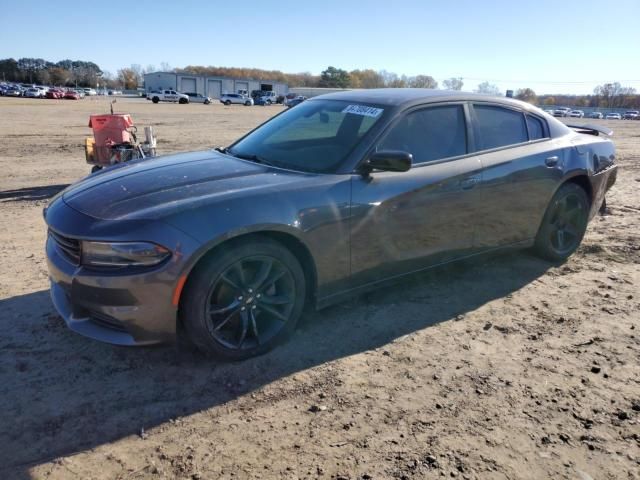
(315, 136)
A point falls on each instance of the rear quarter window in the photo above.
(536, 129)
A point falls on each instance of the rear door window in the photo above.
(499, 127)
(429, 134)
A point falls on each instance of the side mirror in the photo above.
(389, 161)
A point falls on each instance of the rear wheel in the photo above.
(564, 223)
(243, 301)
(227, 102)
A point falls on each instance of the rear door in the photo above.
(521, 167)
(403, 222)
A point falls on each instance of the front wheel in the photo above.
(183, 101)
(227, 102)
(247, 104)
(155, 99)
(244, 300)
(564, 223)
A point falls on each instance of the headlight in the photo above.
(122, 254)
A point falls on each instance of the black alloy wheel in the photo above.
(244, 301)
(564, 223)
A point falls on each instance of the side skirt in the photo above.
(359, 290)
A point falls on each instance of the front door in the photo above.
(402, 222)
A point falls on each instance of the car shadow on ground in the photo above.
(30, 194)
(61, 393)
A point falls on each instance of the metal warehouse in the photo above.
(213, 87)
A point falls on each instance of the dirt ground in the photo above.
(507, 367)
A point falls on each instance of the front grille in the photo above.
(69, 246)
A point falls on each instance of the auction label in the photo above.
(363, 110)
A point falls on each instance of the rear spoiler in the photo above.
(590, 129)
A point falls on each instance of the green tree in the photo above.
(59, 76)
(334, 78)
(453, 83)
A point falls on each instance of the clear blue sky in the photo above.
(562, 46)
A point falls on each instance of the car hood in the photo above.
(159, 186)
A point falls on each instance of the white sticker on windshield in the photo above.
(363, 110)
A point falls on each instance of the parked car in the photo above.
(198, 98)
(33, 93)
(576, 113)
(613, 116)
(13, 92)
(561, 112)
(168, 96)
(267, 97)
(323, 201)
(295, 101)
(54, 93)
(90, 92)
(595, 115)
(237, 98)
(71, 95)
(631, 115)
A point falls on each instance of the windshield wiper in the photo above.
(251, 157)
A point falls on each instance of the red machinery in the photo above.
(114, 141)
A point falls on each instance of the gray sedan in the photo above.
(198, 98)
(322, 202)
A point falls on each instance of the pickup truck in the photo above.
(263, 97)
(167, 96)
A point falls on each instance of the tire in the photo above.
(183, 101)
(268, 102)
(564, 223)
(207, 102)
(155, 99)
(247, 104)
(227, 102)
(225, 310)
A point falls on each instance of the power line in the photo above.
(548, 82)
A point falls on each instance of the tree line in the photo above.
(608, 95)
(83, 73)
(41, 71)
(71, 73)
(331, 77)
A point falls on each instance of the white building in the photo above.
(213, 87)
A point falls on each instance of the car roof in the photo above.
(403, 96)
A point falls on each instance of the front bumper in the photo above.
(119, 309)
(119, 306)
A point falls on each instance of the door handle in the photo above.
(551, 161)
(469, 182)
